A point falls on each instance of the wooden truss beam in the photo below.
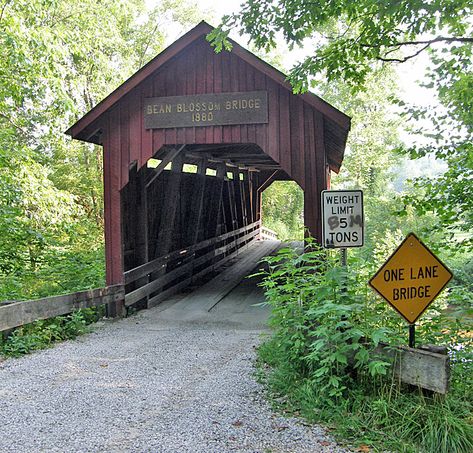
(169, 208)
(170, 156)
(267, 182)
(196, 209)
(215, 204)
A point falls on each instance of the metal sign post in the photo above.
(343, 256)
(343, 262)
(412, 335)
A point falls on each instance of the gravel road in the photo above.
(149, 384)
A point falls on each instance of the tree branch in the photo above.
(4, 7)
(437, 39)
(147, 44)
(427, 42)
(16, 126)
(20, 129)
(403, 60)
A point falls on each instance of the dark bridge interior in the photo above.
(198, 206)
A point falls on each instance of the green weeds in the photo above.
(42, 334)
(320, 361)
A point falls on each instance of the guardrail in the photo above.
(154, 281)
(16, 314)
(168, 274)
(267, 234)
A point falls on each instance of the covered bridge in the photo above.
(219, 129)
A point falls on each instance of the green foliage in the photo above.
(347, 36)
(350, 42)
(321, 361)
(58, 60)
(450, 195)
(320, 321)
(370, 158)
(283, 210)
(42, 334)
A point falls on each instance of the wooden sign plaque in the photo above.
(206, 110)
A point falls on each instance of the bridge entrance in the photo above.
(283, 210)
(190, 143)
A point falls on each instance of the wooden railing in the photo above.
(15, 314)
(154, 281)
(158, 279)
(268, 234)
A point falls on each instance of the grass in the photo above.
(379, 414)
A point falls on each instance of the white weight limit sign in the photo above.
(342, 218)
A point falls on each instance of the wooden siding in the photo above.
(198, 70)
(84, 128)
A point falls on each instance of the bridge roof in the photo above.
(336, 125)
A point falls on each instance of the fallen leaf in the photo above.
(363, 449)
(237, 423)
(104, 365)
(324, 443)
(280, 427)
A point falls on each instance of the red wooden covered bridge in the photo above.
(219, 129)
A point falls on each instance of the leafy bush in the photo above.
(319, 320)
(282, 210)
(42, 334)
(321, 360)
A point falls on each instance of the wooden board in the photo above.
(21, 313)
(186, 264)
(422, 368)
(156, 300)
(210, 294)
(147, 268)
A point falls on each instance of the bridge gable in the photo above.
(299, 127)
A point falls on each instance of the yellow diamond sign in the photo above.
(411, 278)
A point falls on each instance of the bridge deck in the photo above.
(230, 297)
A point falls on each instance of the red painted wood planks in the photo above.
(112, 202)
(146, 134)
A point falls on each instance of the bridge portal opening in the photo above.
(189, 209)
(283, 210)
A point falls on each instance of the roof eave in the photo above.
(201, 29)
